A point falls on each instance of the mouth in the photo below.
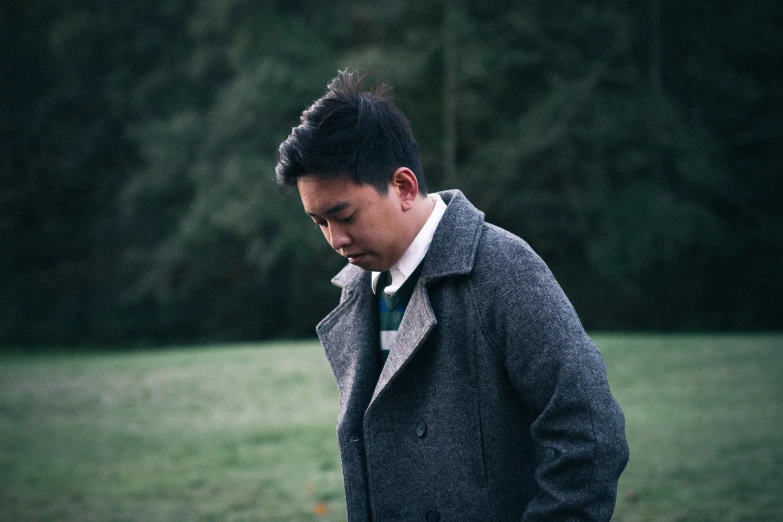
(355, 259)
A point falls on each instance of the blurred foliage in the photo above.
(636, 147)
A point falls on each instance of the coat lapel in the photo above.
(417, 323)
(451, 252)
(350, 333)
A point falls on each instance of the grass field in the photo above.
(247, 432)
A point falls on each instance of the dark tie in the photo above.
(384, 280)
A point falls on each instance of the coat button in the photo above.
(432, 516)
(421, 431)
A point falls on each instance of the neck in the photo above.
(423, 208)
(419, 214)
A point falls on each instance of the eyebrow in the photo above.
(334, 208)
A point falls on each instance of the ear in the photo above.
(405, 184)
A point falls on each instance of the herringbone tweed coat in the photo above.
(493, 404)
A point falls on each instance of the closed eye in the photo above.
(325, 223)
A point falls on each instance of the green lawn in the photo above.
(247, 432)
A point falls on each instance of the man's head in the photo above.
(355, 163)
(350, 133)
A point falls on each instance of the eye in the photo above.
(348, 219)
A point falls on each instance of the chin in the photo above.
(372, 267)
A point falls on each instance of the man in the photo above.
(468, 388)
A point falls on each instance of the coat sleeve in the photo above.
(559, 374)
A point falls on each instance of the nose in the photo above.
(337, 237)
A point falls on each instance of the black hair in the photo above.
(348, 132)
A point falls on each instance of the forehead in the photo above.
(311, 185)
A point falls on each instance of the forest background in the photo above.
(635, 145)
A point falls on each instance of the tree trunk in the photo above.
(450, 22)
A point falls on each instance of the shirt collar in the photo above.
(416, 251)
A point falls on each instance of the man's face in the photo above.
(357, 221)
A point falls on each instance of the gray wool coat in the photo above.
(493, 403)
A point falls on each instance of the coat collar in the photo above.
(453, 248)
(350, 333)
